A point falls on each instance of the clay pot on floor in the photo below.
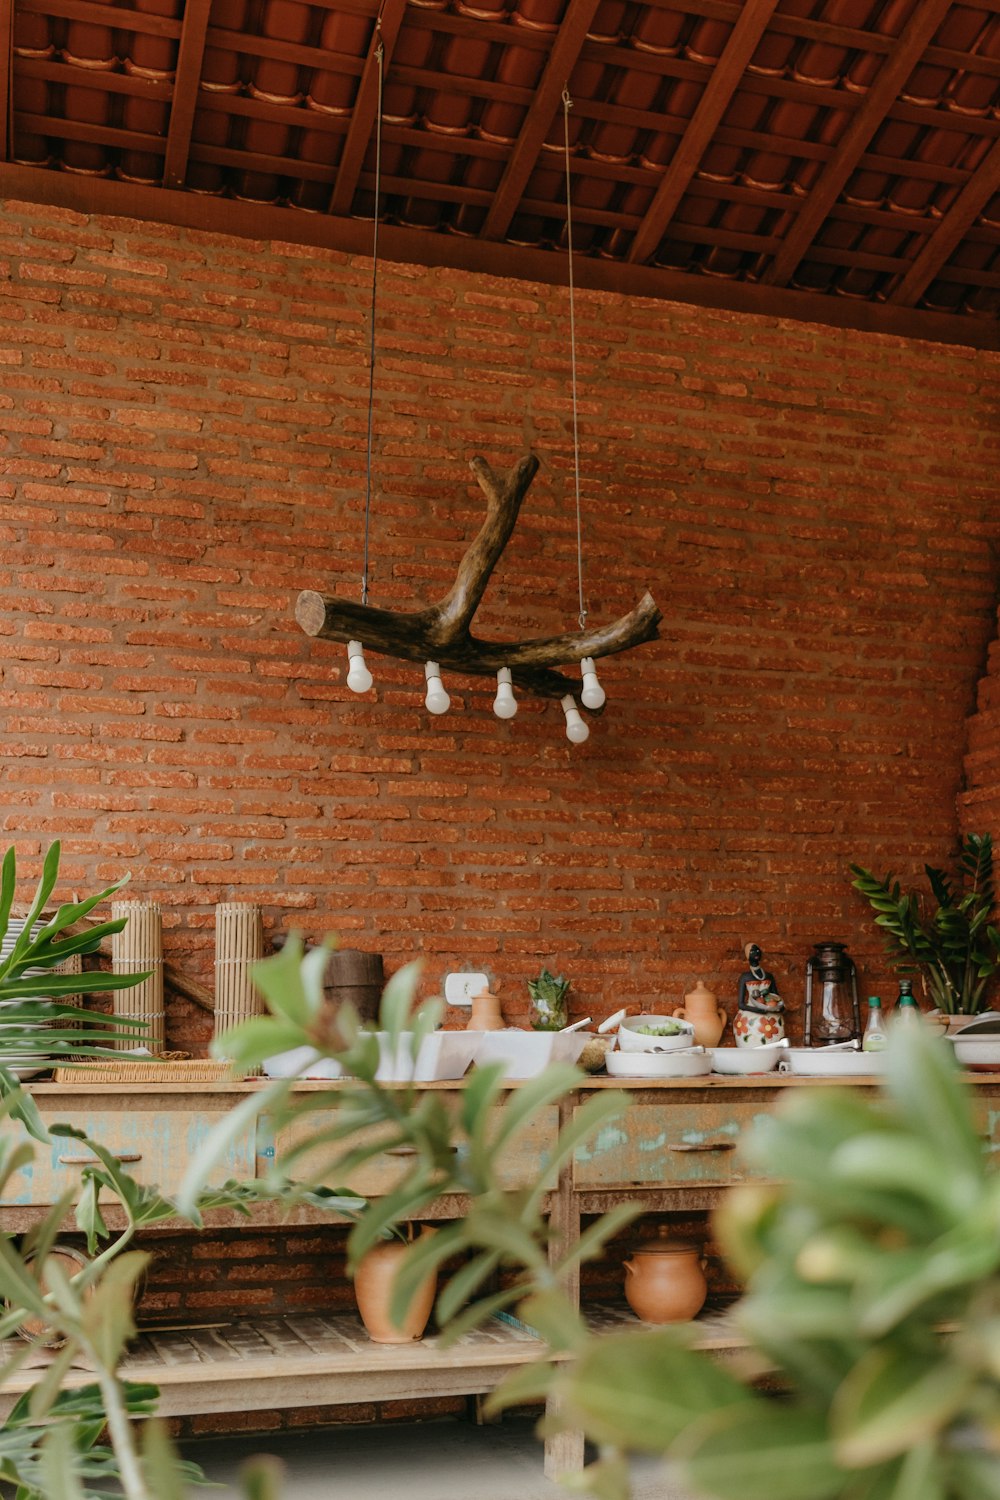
(705, 1014)
(665, 1280)
(373, 1283)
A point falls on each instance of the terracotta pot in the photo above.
(485, 1013)
(373, 1283)
(665, 1280)
(70, 1262)
(705, 1014)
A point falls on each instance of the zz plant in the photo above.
(955, 947)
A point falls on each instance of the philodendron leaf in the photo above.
(397, 1001)
(643, 1390)
(106, 1317)
(760, 1450)
(893, 1400)
(922, 1078)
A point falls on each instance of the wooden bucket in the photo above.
(355, 977)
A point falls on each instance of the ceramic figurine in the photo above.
(758, 1016)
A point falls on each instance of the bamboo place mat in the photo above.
(145, 1070)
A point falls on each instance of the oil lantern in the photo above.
(832, 1010)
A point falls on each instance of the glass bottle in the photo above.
(906, 1008)
(874, 1037)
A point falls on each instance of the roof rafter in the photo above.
(963, 213)
(188, 79)
(729, 70)
(555, 77)
(6, 73)
(365, 107)
(913, 43)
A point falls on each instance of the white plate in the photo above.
(822, 1062)
(693, 1062)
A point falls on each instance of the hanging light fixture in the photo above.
(437, 699)
(359, 679)
(504, 704)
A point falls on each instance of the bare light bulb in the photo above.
(437, 699)
(576, 729)
(359, 679)
(504, 704)
(593, 695)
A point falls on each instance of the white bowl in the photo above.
(692, 1062)
(630, 1040)
(745, 1060)
(299, 1061)
(526, 1053)
(826, 1062)
(977, 1052)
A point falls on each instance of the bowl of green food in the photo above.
(654, 1034)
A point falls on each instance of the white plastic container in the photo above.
(744, 1060)
(526, 1053)
(830, 1062)
(442, 1055)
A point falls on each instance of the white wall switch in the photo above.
(460, 988)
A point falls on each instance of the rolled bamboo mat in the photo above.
(239, 944)
(144, 1070)
(134, 950)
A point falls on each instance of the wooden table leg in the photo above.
(564, 1450)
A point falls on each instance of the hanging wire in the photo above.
(379, 55)
(567, 106)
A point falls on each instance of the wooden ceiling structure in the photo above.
(834, 160)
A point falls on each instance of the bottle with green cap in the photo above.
(874, 1038)
(906, 1007)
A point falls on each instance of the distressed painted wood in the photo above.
(679, 1143)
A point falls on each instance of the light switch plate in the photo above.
(460, 988)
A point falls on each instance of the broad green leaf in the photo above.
(465, 1282)
(397, 1001)
(556, 1319)
(50, 871)
(164, 1474)
(642, 1390)
(480, 1091)
(383, 1214)
(478, 1313)
(8, 887)
(593, 1239)
(213, 1151)
(261, 1477)
(608, 1479)
(21, 1106)
(760, 1450)
(529, 1098)
(107, 1318)
(89, 1219)
(584, 1123)
(57, 1465)
(902, 1280)
(528, 1384)
(922, 1078)
(891, 1401)
(279, 980)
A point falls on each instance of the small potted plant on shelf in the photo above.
(549, 1006)
(956, 948)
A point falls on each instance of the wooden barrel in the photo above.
(70, 1262)
(355, 977)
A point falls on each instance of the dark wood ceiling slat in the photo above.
(255, 161)
(891, 77)
(561, 60)
(186, 83)
(133, 84)
(292, 115)
(496, 32)
(366, 106)
(97, 15)
(272, 47)
(475, 88)
(943, 242)
(739, 49)
(6, 73)
(944, 119)
(259, 223)
(100, 135)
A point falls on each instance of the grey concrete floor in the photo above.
(448, 1460)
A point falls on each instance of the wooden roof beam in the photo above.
(939, 246)
(714, 102)
(366, 107)
(186, 84)
(562, 59)
(916, 37)
(6, 74)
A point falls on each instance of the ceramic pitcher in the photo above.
(705, 1013)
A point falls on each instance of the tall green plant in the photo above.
(35, 1021)
(955, 947)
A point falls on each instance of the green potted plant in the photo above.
(549, 1006)
(955, 947)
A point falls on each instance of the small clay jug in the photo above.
(485, 1013)
(373, 1282)
(665, 1280)
(705, 1014)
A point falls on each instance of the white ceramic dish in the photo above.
(442, 1055)
(631, 1040)
(526, 1053)
(690, 1062)
(826, 1062)
(745, 1060)
(980, 1053)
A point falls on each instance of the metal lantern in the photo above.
(838, 1015)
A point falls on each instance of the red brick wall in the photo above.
(979, 806)
(183, 421)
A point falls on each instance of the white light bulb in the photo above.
(576, 729)
(593, 695)
(504, 704)
(359, 679)
(437, 699)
